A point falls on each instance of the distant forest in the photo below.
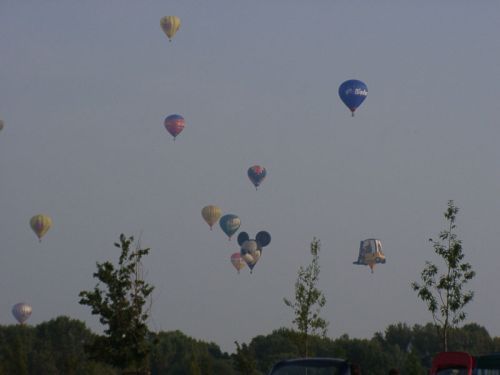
(58, 347)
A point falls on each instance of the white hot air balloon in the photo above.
(22, 311)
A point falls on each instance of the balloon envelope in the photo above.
(242, 237)
(256, 174)
(174, 124)
(353, 92)
(237, 261)
(230, 224)
(170, 25)
(40, 225)
(249, 247)
(1, 125)
(250, 252)
(263, 238)
(370, 253)
(211, 214)
(21, 311)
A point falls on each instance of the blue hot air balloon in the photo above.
(353, 93)
(229, 224)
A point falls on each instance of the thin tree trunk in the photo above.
(445, 338)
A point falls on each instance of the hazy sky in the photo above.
(85, 87)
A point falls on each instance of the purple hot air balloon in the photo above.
(174, 124)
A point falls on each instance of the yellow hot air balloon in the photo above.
(170, 25)
(40, 225)
(211, 214)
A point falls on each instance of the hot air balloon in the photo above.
(250, 253)
(370, 253)
(170, 25)
(174, 124)
(256, 174)
(21, 311)
(237, 261)
(230, 224)
(1, 124)
(211, 214)
(353, 93)
(251, 250)
(40, 225)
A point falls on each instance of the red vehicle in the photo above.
(462, 363)
(452, 363)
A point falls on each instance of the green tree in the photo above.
(16, 346)
(471, 338)
(308, 300)
(399, 334)
(244, 360)
(269, 349)
(496, 344)
(412, 365)
(120, 299)
(425, 342)
(444, 293)
(174, 353)
(62, 340)
(369, 354)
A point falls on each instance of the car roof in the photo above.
(317, 361)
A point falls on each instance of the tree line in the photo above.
(57, 347)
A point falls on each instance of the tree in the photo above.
(16, 345)
(308, 300)
(471, 338)
(59, 347)
(174, 353)
(444, 293)
(271, 348)
(244, 360)
(120, 299)
(399, 334)
(412, 365)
